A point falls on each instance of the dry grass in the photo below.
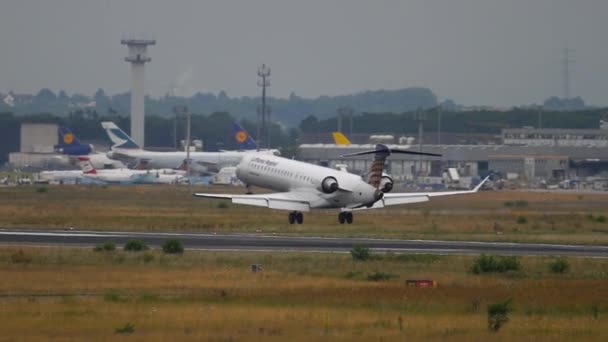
(77, 294)
(551, 217)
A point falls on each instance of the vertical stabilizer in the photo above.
(86, 166)
(340, 139)
(243, 139)
(120, 139)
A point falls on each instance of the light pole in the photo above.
(264, 73)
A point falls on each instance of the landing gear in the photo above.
(296, 217)
(345, 216)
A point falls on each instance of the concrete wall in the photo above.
(38, 138)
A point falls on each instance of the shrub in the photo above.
(42, 189)
(108, 246)
(223, 205)
(522, 220)
(360, 252)
(380, 276)
(498, 314)
(148, 257)
(135, 246)
(516, 204)
(20, 257)
(126, 329)
(598, 219)
(559, 265)
(499, 264)
(173, 246)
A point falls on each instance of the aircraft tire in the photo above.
(341, 217)
(349, 217)
(299, 217)
(292, 218)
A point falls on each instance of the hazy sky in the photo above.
(493, 52)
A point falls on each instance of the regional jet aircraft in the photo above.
(126, 149)
(302, 186)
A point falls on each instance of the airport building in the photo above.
(36, 148)
(550, 163)
(556, 137)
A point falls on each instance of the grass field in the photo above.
(519, 216)
(79, 294)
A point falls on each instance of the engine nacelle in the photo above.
(329, 185)
(386, 184)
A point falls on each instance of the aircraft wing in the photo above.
(293, 200)
(418, 197)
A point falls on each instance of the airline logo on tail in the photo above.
(243, 139)
(119, 138)
(69, 144)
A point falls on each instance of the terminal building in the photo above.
(556, 137)
(532, 162)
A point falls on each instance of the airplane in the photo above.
(71, 146)
(124, 148)
(302, 186)
(61, 176)
(115, 176)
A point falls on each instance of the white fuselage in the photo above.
(200, 161)
(283, 175)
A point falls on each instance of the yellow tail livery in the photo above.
(340, 138)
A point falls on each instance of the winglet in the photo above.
(481, 183)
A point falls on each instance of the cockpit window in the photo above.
(276, 152)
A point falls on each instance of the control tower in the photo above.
(137, 57)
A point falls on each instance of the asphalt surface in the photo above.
(261, 242)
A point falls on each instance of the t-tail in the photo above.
(243, 139)
(86, 166)
(69, 144)
(376, 176)
(120, 139)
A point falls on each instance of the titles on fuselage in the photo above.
(264, 162)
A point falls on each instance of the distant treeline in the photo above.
(457, 122)
(288, 111)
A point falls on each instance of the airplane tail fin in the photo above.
(380, 154)
(119, 138)
(243, 139)
(184, 165)
(86, 166)
(341, 139)
(69, 144)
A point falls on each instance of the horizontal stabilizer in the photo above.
(383, 149)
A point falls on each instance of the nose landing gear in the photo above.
(296, 217)
(345, 217)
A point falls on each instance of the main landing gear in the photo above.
(296, 217)
(345, 216)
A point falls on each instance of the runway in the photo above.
(262, 242)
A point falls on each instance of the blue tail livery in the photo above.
(243, 139)
(70, 145)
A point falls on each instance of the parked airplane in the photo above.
(115, 176)
(71, 146)
(340, 139)
(126, 149)
(303, 186)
